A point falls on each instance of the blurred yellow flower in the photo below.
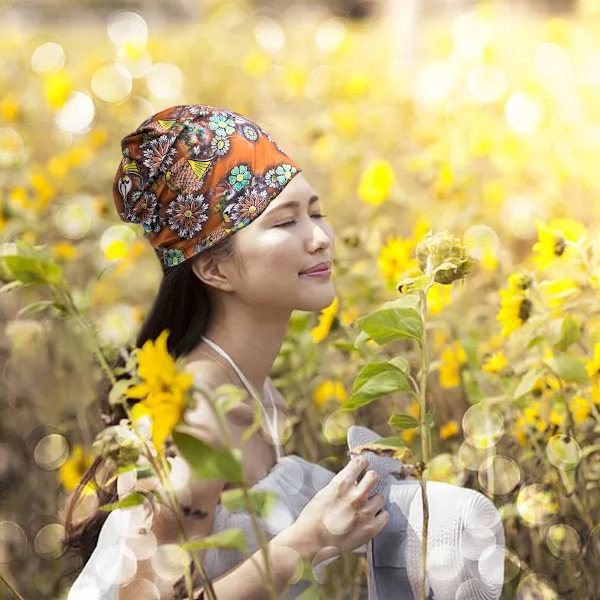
(116, 250)
(357, 84)
(376, 181)
(9, 107)
(593, 366)
(553, 238)
(395, 258)
(580, 409)
(445, 180)
(73, 469)
(520, 428)
(57, 87)
(162, 392)
(555, 293)
(349, 315)
(64, 250)
(439, 295)
(452, 359)
(320, 332)
(345, 118)
(255, 63)
(448, 429)
(330, 390)
(494, 363)
(556, 417)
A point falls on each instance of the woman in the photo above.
(194, 176)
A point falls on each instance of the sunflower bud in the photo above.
(443, 254)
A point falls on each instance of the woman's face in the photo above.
(289, 237)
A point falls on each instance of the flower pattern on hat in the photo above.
(193, 175)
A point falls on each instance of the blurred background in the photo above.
(479, 117)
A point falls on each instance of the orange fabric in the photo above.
(195, 174)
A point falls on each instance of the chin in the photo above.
(319, 300)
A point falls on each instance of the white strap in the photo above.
(271, 424)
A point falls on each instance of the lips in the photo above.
(322, 267)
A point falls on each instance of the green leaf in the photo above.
(345, 346)
(361, 338)
(568, 368)
(228, 538)
(535, 341)
(527, 382)
(570, 333)
(311, 593)
(389, 324)
(260, 501)
(375, 380)
(35, 307)
(115, 396)
(206, 462)
(400, 363)
(133, 499)
(10, 286)
(403, 422)
(394, 440)
(30, 271)
(413, 284)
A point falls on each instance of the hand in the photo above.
(341, 516)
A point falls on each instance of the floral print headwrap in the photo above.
(192, 175)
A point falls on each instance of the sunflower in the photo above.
(494, 363)
(553, 240)
(395, 259)
(162, 392)
(330, 390)
(320, 332)
(515, 309)
(73, 469)
(452, 359)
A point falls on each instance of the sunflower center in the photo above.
(559, 245)
(525, 309)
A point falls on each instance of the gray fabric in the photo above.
(465, 541)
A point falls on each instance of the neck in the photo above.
(251, 337)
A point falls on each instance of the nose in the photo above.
(320, 236)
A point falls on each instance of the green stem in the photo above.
(425, 435)
(10, 586)
(258, 532)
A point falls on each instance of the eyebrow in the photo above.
(294, 203)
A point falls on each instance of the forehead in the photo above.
(297, 190)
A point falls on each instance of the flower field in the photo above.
(458, 167)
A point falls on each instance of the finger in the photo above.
(373, 505)
(349, 474)
(361, 491)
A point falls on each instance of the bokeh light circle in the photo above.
(534, 586)
(471, 458)
(447, 468)
(136, 62)
(433, 83)
(483, 425)
(51, 451)
(13, 542)
(127, 27)
(330, 34)
(72, 221)
(523, 113)
(284, 426)
(552, 60)
(164, 80)
(336, 425)
(269, 35)
(112, 83)
(481, 240)
(537, 504)
(563, 541)
(12, 148)
(47, 57)
(563, 451)
(593, 545)
(499, 475)
(48, 541)
(487, 84)
(169, 561)
(77, 113)
(142, 588)
(116, 241)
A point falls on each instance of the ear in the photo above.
(212, 272)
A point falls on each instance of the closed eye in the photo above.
(293, 221)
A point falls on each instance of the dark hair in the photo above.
(184, 306)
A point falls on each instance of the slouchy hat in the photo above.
(193, 175)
